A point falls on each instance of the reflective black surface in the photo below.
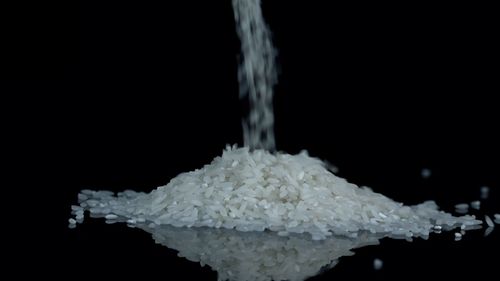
(149, 90)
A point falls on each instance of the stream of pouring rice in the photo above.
(256, 74)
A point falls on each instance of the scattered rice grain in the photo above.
(426, 173)
(489, 222)
(377, 264)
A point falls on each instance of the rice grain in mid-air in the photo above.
(377, 264)
(462, 208)
(426, 173)
(476, 204)
(485, 191)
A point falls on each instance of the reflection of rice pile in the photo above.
(258, 256)
(258, 190)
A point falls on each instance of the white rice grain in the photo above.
(485, 191)
(475, 204)
(76, 208)
(377, 264)
(462, 206)
(489, 222)
(426, 173)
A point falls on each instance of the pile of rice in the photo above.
(258, 190)
(239, 255)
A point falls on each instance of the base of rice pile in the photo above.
(256, 190)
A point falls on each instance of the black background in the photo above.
(125, 94)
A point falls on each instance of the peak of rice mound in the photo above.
(258, 190)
